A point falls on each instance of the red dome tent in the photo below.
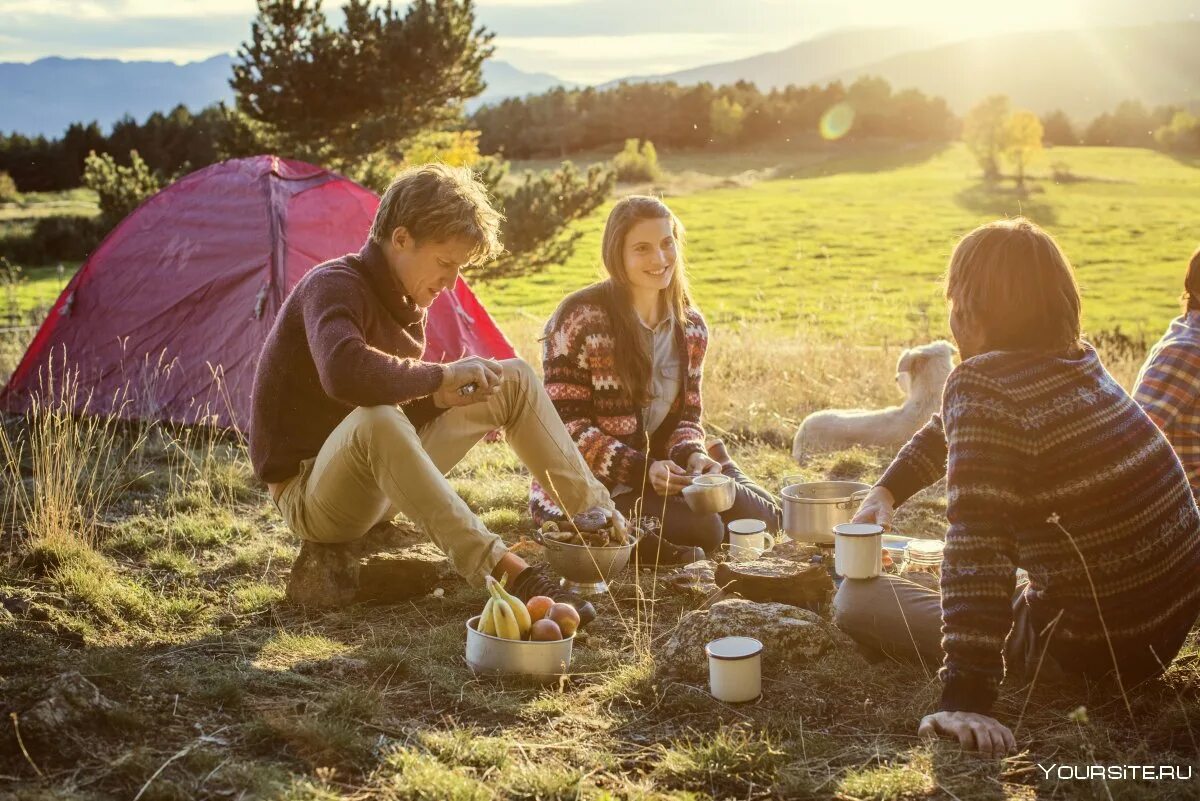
(165, 320)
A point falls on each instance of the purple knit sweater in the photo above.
(347, 336)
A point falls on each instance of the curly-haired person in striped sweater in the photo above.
(1050, 467)
(623, 362)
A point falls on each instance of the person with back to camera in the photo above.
(1050, 466)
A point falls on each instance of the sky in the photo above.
(585, 41)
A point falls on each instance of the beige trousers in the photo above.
(376, 464)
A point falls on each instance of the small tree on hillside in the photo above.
(725, 118)
(1181, 134)
(983, 133)
(636, 163)
(1022, 140)
(8, 189)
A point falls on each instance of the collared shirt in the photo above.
(1168, 388)
(666, 377)
(666, 371)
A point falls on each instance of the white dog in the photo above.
(921, 373)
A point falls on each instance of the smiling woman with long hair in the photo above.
(623, 362)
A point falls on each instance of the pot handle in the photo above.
(857, 496)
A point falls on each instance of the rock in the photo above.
(796, 551)
(324, 576)
(334, 576)
(792, 637)
(696, 581)
(400, 575)
(71, 702)
(337, 665)
(771, 578)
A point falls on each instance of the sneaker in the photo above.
(534, 581)
(654, 550)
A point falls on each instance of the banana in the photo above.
(487, 625)
(506, 622)
(520, 612)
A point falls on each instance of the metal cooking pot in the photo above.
(811, 510)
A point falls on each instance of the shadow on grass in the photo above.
(990, 200)
(884, 157)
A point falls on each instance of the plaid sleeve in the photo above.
(1169, 382)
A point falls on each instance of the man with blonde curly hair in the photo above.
(350, 427)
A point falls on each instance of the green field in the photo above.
(152, 562)
(858, 245)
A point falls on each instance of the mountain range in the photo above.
(1082, 72)
(47, 95)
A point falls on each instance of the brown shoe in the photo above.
(324, 576)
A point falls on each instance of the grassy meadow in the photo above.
(151, 561)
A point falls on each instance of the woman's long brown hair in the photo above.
(633, 361)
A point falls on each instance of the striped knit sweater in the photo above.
(578, 361)
(1051, 467)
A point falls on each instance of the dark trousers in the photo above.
(682, 526)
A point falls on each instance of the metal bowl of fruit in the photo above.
(587, 556)
(511, 637)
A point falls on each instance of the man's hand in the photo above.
(975, 732)
(877, 508)
(484, 374)
(668, 478)
(700, 464)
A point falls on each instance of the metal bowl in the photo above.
(585, 568)
(544, 661)
(710, 494)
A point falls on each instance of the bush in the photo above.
(8, 189)
(121, 189)
(634, 164)
(54, 239)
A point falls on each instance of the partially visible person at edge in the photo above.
(1050, 467)
(623, 362)
(1168, 386)
(351, 427)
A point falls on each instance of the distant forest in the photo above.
(561, 122)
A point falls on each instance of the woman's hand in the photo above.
(878, 508)
(974, 731)
(700, 464)
(668, 478)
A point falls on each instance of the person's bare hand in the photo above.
(702, 464)
(467, 381)
(668, 478)
(878, 508)
(975, 732)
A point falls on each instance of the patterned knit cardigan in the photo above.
(578, 360)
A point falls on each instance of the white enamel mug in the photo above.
(735, 669)
(748, 539)
(858, 550)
